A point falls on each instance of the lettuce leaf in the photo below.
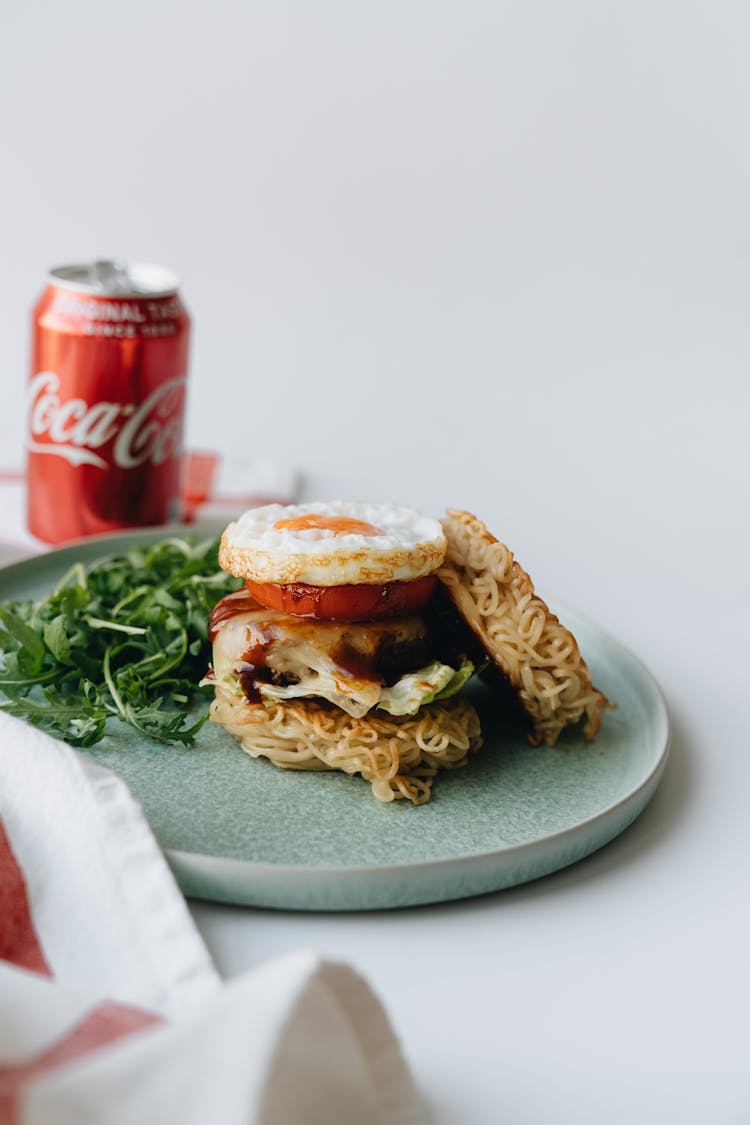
(430, 684)
(426, 685)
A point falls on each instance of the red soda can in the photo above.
(106, 400)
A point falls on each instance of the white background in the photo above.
(490, 255)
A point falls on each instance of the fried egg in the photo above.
(335, 543)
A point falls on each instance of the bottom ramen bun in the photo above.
(526, 643)
(398, 757)
(334, 543)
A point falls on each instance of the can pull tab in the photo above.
(110, 278)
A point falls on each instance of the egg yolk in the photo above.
(339, 525)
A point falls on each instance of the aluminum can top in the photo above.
(111, 278)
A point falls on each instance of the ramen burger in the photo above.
(324, 659)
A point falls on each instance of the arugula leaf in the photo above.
(56, 639)
(126, 638)
(27, 639)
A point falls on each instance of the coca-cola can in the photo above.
(106, 405)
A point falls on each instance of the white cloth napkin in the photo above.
(110, 1007)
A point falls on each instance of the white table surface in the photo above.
(488, 255)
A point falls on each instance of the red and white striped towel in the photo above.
(110, 1007)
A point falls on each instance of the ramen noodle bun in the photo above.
(537, 655)
(399, 757)
(332, 544)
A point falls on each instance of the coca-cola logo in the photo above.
(150, 431)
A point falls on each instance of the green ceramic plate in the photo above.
(239, 830)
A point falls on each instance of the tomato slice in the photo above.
(345, 603)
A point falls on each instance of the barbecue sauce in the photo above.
(356, 663)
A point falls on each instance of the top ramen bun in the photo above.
(331, 655)
(526, 643)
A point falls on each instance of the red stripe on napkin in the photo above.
(19, 943)
(103, 1025)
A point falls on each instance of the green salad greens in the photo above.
(125, 638)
